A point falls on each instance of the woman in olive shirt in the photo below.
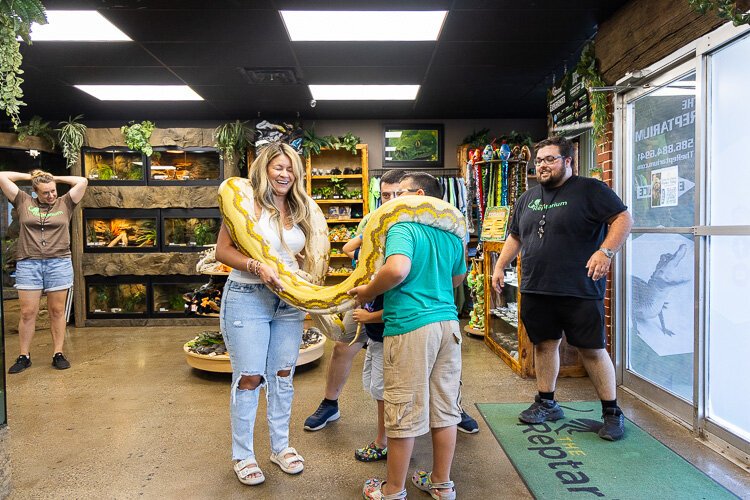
(43, 255)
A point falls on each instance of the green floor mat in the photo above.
(566, 459)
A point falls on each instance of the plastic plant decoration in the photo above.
(37, 128)
(71, 135)
(591, 78)
(725, 9)
(233, 138)
(137, 136)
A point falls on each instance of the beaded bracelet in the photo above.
(247, 265)
(256, 269)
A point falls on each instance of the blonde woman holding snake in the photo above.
(261, 331)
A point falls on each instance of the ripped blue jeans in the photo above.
(262, 334)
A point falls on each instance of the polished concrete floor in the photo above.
(130, 419)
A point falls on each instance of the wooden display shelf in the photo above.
(342, 176)
(340, 200)
(220, 363)
(343, 221)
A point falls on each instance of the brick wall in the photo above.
(604, 160)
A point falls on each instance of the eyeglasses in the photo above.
(404, 191)
(388, 195)
(547, 160)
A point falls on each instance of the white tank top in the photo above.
(294, 239)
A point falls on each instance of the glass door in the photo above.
(726, 236)
(659, 257)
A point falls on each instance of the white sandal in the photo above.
(246, 474)
(286, 463)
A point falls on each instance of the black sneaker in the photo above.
(21, 364)
(324, 414)
(614, 424)
(541, 411)
(468, 424)
(59, 361)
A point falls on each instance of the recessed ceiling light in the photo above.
(336, 26)
(76, 25)
(364, 92)
(141, 92)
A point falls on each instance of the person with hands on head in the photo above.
(43, 255)
(262, 332)
(567, 230)
(421, 347)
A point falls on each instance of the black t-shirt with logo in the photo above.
(576, 224)
(375, 330)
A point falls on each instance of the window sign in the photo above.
(663, 156)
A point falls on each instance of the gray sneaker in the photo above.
(541, 411)
(614, 425)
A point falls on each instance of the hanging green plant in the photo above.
(233, 138)
(16, 17)
(137, 136)
(586, 68)
(37, 128)
(725, 9)
(71, 135)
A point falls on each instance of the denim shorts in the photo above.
(49, 275)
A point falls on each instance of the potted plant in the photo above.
(326, 192)
(233, 138)
(137, 136)
(354, 194)
(36, 127)
(338, 186)
(316, 194)
(71, 134)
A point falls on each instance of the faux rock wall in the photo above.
(139, 264)
(151, 197)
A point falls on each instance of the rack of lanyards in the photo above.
(496, 176)
(454, 187)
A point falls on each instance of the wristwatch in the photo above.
(606, 251)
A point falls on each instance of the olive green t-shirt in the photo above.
(45, 229)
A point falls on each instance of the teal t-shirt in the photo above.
(426, 295)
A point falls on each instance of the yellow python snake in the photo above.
(303, 289)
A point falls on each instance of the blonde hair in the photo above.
(40, 177)
(299, 209)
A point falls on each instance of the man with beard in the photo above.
(567, 229)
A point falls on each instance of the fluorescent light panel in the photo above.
(364, 92)
(76, 25)
(337, 26)
(141, 92)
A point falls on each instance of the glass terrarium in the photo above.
(191, 165)
(169, 295)
(120, 230)
(113, 165)
(189, 230)
(106, 299)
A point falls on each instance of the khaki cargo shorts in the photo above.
(422, 376)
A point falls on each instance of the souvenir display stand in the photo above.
(505, 333)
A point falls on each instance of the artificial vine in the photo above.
(71, 135)
(725, 9)
(586, 68)
(16, 17)
(137, 136)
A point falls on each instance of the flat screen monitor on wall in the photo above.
(413, 145)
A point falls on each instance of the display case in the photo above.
(338, 181)
(175, 166)
(505, 333)
(168, 294)
(189, 230)
(126, 297)
(113, 166)
(120, 230)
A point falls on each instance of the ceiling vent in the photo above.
(270, 76)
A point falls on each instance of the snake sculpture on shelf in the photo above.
(303, 288)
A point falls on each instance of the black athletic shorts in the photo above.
(546, 317)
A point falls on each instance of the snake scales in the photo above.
(303, 289)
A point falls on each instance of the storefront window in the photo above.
(663, 155)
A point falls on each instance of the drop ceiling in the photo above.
(493, 59)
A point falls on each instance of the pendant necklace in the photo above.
(43, 221)
(543, 220)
